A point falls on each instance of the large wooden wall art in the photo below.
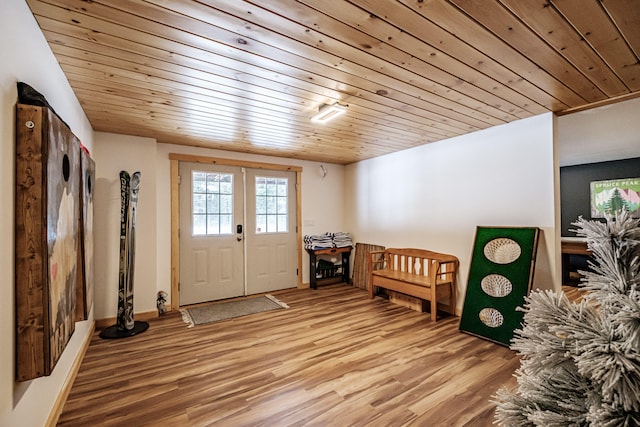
(84, 293)
(47, 218)
(500, 276)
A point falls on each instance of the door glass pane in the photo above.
(212, 203)
(213, 224)
(272, 205)
(261, 186)
(226, 184)
(226, 204)
(282, 205)
(261, 223)
(272, 224)
(226, 224)
(199, 182)
(213, 184)
(282, 222)
(199, 225)
(261, 205)
(282, 187)
(199, 204)
(271, 187)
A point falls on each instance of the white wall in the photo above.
(25, 56)
(322, 210)
(114, 153)
(601, 134)
(434, 196)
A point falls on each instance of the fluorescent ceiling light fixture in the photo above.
(327, 112)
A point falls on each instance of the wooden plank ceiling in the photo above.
(247, 75)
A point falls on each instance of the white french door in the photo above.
(211, 256)
(220, 257)
(271, 231)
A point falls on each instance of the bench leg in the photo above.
(452, 299)
(434, 308)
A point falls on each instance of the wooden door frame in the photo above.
(175, 159)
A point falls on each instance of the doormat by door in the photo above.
(216, 312)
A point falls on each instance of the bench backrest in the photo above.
(416, 261)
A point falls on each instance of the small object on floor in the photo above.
(160, 302)
(115, 332)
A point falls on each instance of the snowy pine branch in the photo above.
(581, 360)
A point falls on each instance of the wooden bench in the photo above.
(414, 272)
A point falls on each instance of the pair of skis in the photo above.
(129, 187)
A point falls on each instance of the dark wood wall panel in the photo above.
(575, 191)
(47, 211)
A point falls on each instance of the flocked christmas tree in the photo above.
(580, 361)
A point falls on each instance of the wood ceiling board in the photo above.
(153, 97)
(120, 102)
(333, 54)
(545, 21)
(421, 76)
(461, 26)
(427, 41)
(475, 119)
(501, 22)
(370, 35)
(117, 107)
(626, 15)
(411, 71)
(597, 28)
(116, 69)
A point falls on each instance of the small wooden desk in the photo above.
(338, 273)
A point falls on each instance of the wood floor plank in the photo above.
(335, 357)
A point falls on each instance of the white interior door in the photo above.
(271, 243)
(211, 249)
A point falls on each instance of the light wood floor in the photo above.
(335, 358)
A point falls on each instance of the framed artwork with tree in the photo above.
(610, 196)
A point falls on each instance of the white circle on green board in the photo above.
(496, 285)
(502, 250)
(491, 317)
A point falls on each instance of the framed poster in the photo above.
(500, 276)
(613, 194)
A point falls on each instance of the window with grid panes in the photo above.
(272, 205)
(212, 203)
